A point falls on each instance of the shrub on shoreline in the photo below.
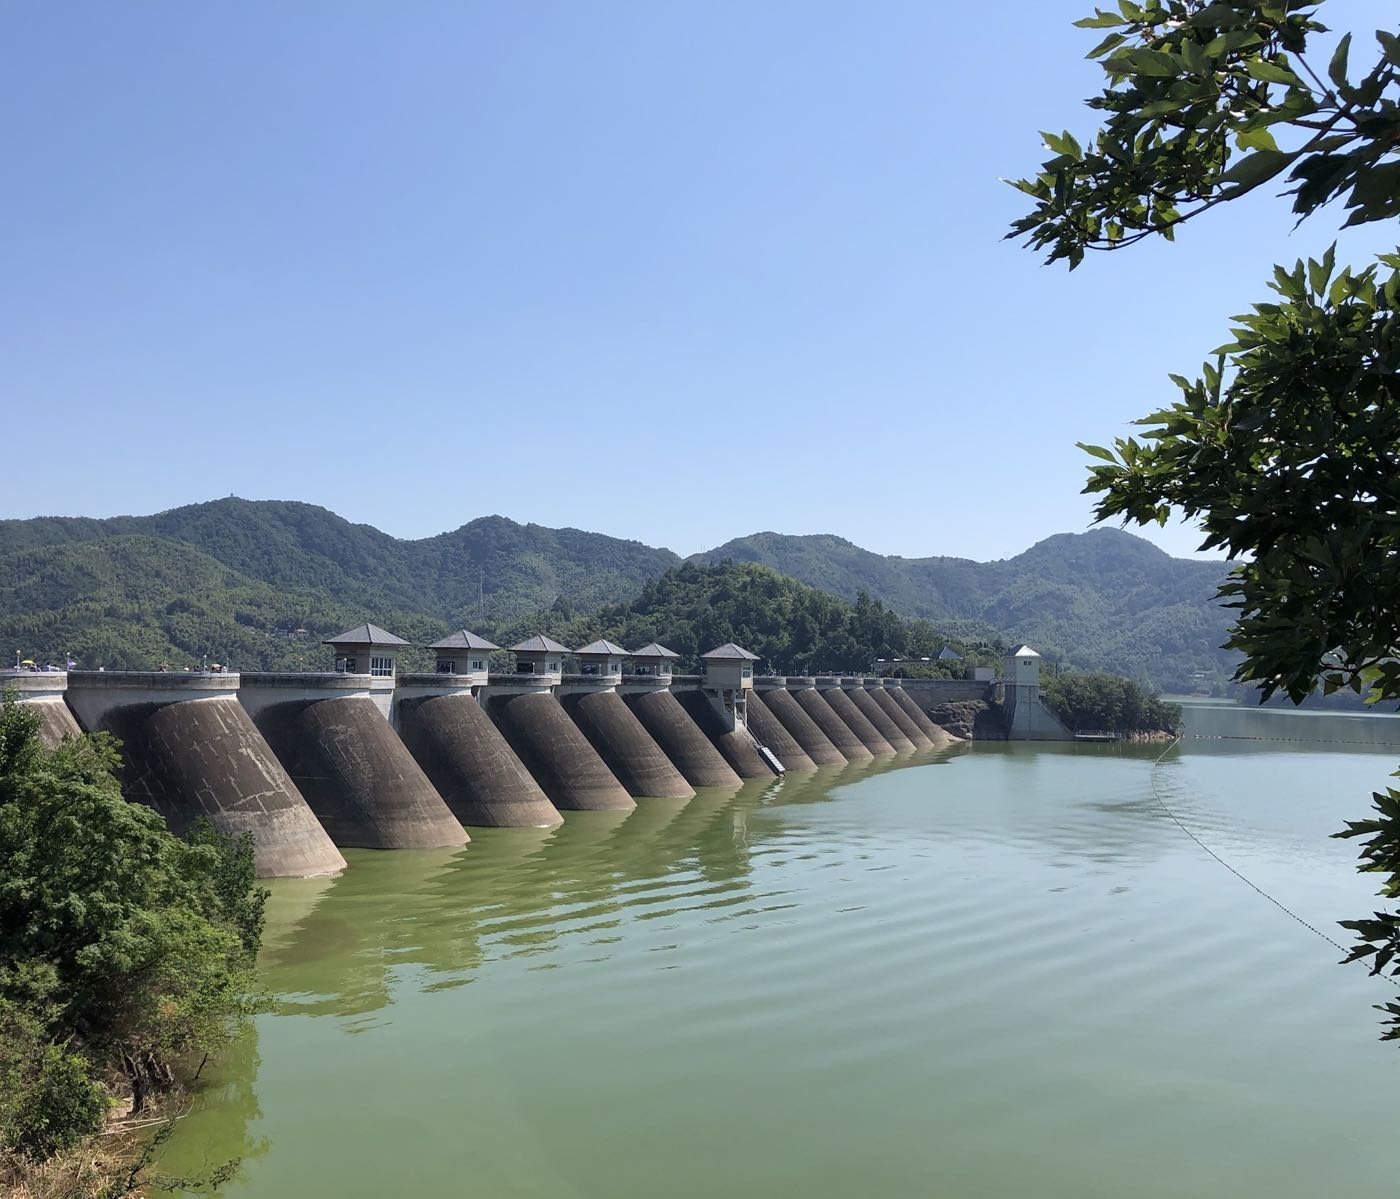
(1109, 704)
(126, 954)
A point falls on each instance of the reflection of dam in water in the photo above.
(530, 1015)
(533, 893)
(364, 757)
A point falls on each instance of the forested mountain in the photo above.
(1102, 600)
(130, 602)
(235, 580)
(302, 548)
(793, 628)
(259, 584)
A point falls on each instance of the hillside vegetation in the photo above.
(793, 628)
(1105, 703)
(1103, 600)
(303, 548)
(234, 581)
(260, 584)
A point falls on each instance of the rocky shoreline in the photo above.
(981, 720)
(970, 720)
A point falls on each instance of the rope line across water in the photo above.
(1287, 911)
(1290, 740)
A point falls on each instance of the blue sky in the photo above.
(675, 272)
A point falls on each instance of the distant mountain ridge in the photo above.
(238, 578)
(518, 568)
(1101, 600)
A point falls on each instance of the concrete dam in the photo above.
(362, 756)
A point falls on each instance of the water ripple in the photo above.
(1011, 972)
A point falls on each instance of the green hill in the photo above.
(129, 602)
(1102, 600)
(793, 628)
(235, 580)
(300, 548)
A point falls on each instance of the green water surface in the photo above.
(1006, 972)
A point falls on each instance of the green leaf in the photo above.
(1235, 39)
(1257, 168)
(1318, 273)
(1111, 42)
(1250, 421)
(1270, 72)
(1256, 139)
(1214, 16)
(1148, 62)
(1100, 20)
(1097, 451)
(1337, 68)
(1390, 46)
(1320, 177)
(1195, 57)
(1062, 143)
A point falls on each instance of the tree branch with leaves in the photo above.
(1286, 448)
(1199, 96)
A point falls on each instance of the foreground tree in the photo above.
(125, 953)
(1286, 448)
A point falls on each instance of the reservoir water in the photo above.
(1005, 971)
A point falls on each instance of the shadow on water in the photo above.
(814, 975)
(429, 919)
(221, 1128)
(350, 946)
(398, 925)
(340, 946)
(412, 922)
(335, 957)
